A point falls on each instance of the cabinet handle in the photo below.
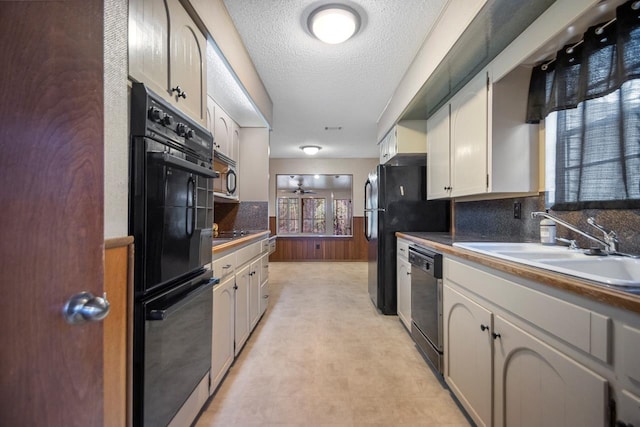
(226, 266)
(484, 328)
(495, 336)
(265, 296)
(408, 273)
(402, 250)
(181, 94)
(235, 287)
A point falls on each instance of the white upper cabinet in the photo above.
(490, 147)
(149, 44)
(234, 143)
(222, 131)
(438, 160)
(167, 53)
(469, 138)
(226, 132)
(407, 137)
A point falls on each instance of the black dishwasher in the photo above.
(426, 303)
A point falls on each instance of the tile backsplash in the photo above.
(493, 220)
(242, 216)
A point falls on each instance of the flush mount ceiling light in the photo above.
(333, 23)
(310, 149)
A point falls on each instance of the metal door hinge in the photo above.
(488, 82)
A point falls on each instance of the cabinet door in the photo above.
(384, 149)
(187, 66)
(439, 155)
(264, 283)
(223, 331)
(222, 126)
(392, 143)
(210, 116)
(469, 138)
(149, 44)
(537, 385)
(234, 143)
(242, 307)
(254, 293)
(404, 291)
(467, 352)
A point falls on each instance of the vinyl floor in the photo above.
(322, 356)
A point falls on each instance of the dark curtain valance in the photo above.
(607, 58)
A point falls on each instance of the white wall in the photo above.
(359, 168)
(116, 122)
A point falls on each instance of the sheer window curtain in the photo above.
(590, 96)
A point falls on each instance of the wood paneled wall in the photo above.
(118, 331)
(321, 248)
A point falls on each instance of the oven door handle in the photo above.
(184, 164)
(166, 312)
(191, 193)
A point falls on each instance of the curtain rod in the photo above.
(635, 6)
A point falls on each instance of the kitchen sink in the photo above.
(611, 269)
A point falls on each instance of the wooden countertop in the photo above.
(442, 242)
(239, 241)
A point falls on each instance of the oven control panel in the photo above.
(152, 116)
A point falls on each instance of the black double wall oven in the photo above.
(171, 219)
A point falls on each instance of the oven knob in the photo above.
(181, 129)
(190, 133)
(155, 114)
(167, 120)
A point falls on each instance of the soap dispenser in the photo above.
(547, 231)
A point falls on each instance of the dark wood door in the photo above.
(51, 199)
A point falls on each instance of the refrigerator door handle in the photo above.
(375, 210)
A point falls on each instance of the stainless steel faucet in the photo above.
(610, 241)
(610, 237)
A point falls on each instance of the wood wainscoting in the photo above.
(118, 331)
(328, 248)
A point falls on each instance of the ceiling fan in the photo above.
(300, 190)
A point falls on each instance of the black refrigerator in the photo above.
(395, 200)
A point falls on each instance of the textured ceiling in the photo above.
(314, 85)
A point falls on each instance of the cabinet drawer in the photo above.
(403, 248)
(264, 246)
(582, 328)
(630, 351)
(224, 266)
(247, 253)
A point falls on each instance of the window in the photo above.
(589, 97)
(314, 216)
(314, 205)
(288, 215)
(342, 217)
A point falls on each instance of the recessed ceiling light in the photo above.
(310, 149)
(333, 23)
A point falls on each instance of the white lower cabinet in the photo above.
(238, 304)
(242, 307)
(222, 353)
(468, 367)
(264, 285)
(505, 375)
(536, 385)
(254, 293)
(403, 282)
(403, 272)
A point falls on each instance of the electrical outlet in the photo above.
(517, 210)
